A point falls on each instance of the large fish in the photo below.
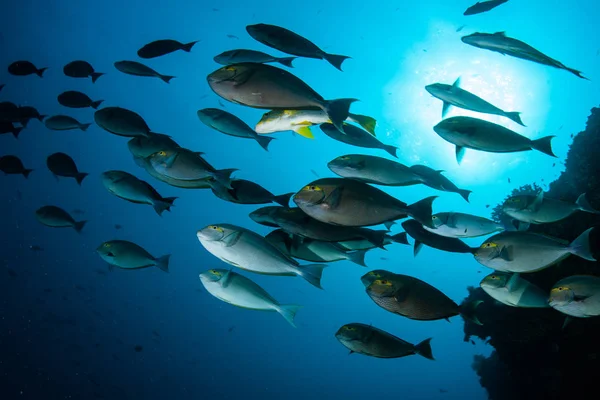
(75, 99)
(248, 192)
(24, 68)
(128, 255)
(64, 123)
(373, 169)
(299, 121)
(514, 291)
(56, 217)
(163, 47)
(428, 237)
(537, 209)
(248, 250)
(229, 124)
(434, 179)
(61, 164)
(267, 87)
(371, 341)
(241, 56)
(460, 225)
(204, 183)
(355, 136)
(453, 95)
(240, 291)
(347, 202)
(504, 45)
(12, 165)
(483, 6)
(138, 69)
(477, 134)
(291, 43)
(577, 296)
(529, 252)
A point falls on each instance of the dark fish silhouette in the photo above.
(24, 68)
(81, 69)
(241, 55)
(64, 123)
(423, 236)
(56, 217)
(356, 136)
(483, 6)
(138, 69)
(61, 164)
(163, 47)
(12, 165)
(75, 99)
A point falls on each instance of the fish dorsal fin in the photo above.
(503, 34)
(226, 279)
(460, 153)
(418, 247)
(333, 200)
(456, 84)
(537, 202)
(511, 285)
(232, 238)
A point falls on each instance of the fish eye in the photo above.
(344, 158)
(229, 68)
(162, 153)
(313, 188)
(493, 277)
(434, 217)
(106, 244)
(488, 245)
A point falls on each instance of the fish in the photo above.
(27, 113)
(138, 348)
(184, 164)
(415, 299)
(204, 183)
(435, 180)
(232, 36)
(483, 6)
(12, 165)
(24, 68)
(264, 86)
(525, 252)
(117, 226)
(347, 202)
(460, 28)
(454, 95)
(229, 124)
(138, 69)
(145, 146)
(64, 123)
(242, 56)
(538, 209)
(134, 190)
(514, 291)
(122, 122)
(240, 291)
(128, 255)
(313, 250)
(460, 225)
(56, 217)
(248, 192)
(35, 247)
(374, 342)
(249, 251)
(505, 45)
(428, 237)
(577, 296)
(81, 69)
(61, 164)
(355, 136)
(8, 127)
(75, 99)
(163, 47)
(299, 121)
(477, 134)
(375, 170)
(297, 222)
(291, 43)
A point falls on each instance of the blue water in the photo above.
(68, 331)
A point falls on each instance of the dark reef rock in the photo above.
(535, 357)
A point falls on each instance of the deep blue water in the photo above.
(68, 331)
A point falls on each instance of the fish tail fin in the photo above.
(283, 199)
(514, 116)
(26, 173)
(96, 104)
(41, 117)
(368, 123)
(166, 78)
(188, 46)
(80, 177)
(223, 177)
(84, 127)
(287, 61)
(581, 246)
(577, 73)
(264, 141)
(424, 349)
(96, 75)
(25, 122)
(390, 149)
(79, 226)
(335, 60)
(358, 257)
(288, 311)
(376, 237)
(401, 237)
(465, 194)
(16, 132)
(338, 111)
(544, 145)
(163, 262)
(584, 205)
(312, 273)
(40, 72)
(163, 204)
(468, 311)
(422, 210)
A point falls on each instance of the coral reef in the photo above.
(536, 357)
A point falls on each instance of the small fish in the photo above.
(74, 99)
(24, 68)
(56, 217)
(508, 180)
(118, 227)
(577, 296)
(81, 69)
(12, 273)
(221, 104)
(138, 348)
(514, 291)
(240, 291)
(160, 48)
(35, 247)
(355, 136)
(12, 165)
(374, 342)
(231, 328)
(229, 124)
(483, 6)
(122, 122)
(241, 56)
(248, 192)
(537, 209)
(61, 164)
(436, 180)
(128, 255)
(232, 36)
(138, 69)
(460, 28)
(64, 123)
(315, 173)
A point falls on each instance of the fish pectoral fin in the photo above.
(418, 247)
(537, 202)
(304, 131)
(507, 253)
(460, 153)
(445, 109)
(226, 279)
(401, 295)
(333, 200)
(232, 238)
(511, 285)
(296, 242)
(580, 298)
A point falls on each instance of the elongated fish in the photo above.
(242, 55)
(514, 291)
(453, 95)
(460, 225)
(505, 45)
(229, 124)
(138, 69)
(355, 136)
(577, 296)
(430, 238)
(373, 169)
(483, 6)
